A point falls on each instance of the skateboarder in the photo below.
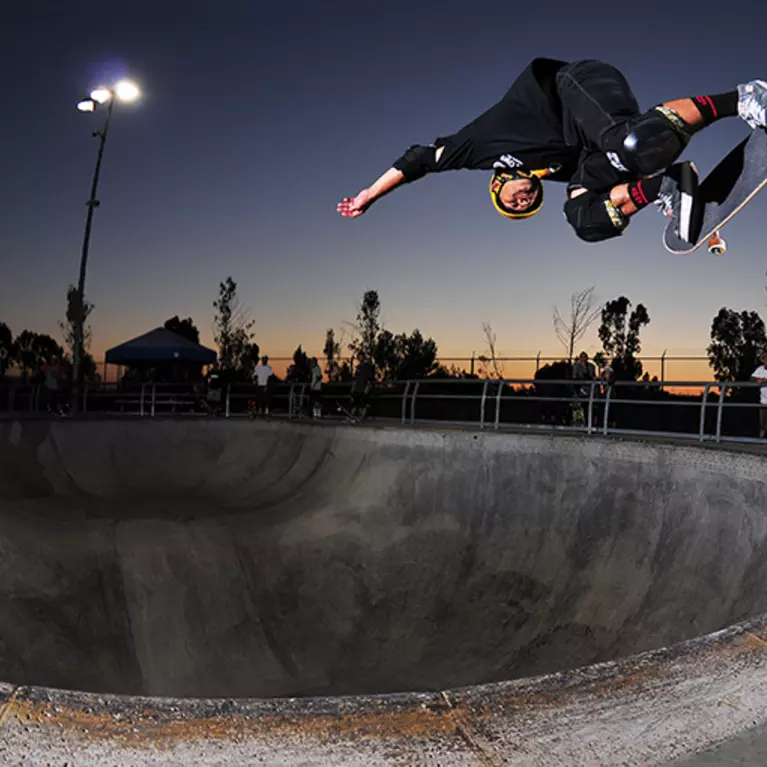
(580, 124)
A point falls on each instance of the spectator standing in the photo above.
(760, 376)
(215, 389)
(362, 387)
(315, 392)
(261, 375)
(53, 375)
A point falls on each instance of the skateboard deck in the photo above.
(725, 191)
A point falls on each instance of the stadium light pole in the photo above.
(122, 91)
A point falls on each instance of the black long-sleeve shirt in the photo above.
(525, 129)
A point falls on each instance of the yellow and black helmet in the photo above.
(501, 176)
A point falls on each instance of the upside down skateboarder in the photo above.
(580, 124)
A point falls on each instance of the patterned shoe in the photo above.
(752, 103)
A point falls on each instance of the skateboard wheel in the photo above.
(717, 246)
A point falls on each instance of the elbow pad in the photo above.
(594, 217)
(416, 162)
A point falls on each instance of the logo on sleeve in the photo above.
(508, 161)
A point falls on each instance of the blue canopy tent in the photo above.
(160, 346)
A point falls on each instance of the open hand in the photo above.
(352, 207)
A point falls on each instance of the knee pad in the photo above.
(655, 140)
(594, 218)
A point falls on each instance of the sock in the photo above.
(645, 191)
(717, 106)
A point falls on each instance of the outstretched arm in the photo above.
(351, 207)
(414, 164)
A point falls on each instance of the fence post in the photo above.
(663, 368)
(537, 361)
(719, 409)
(228, 400)
(702, 430)
(482, 405)
(404, 402)
(608, 397)
(412, 401)
(154, 397)
(592, 384)
(141, 404)
(501, 384)
(472, 363)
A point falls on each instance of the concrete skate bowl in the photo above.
(188, 592)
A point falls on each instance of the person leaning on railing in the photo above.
(315, 391)
(760, 376)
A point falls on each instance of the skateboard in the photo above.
(725, 191)
(349, 416)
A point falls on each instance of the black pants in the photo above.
(597, 104)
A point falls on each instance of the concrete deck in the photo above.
(299, 594)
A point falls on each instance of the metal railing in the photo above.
(712, 411)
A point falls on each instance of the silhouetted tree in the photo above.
(184, 328)
(232, 329)
(368, 325)
(68, 327)
(404, 357)
(7, 348)
(619, 333)
(387, 355)
(332, 350)
(33, 350)
(419, 357)
(737, 339)
(87, 363)
(486, 361)
(583, 314)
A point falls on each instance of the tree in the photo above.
(368, 325)
(404, 357)
(419, 356)
(388, 354)
(7, 348)
(332, 351)
(737, 340)
(231, 328)
(619, 333)
(184, 328)
(491, 340)
(69, 333)
(33, 350)
(583, 314)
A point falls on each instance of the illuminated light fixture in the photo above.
(101, 94)
(86, 105)
(127, 90)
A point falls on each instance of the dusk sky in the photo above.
(257, 117)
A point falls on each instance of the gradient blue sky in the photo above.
(258, 116)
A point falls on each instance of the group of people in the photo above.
(262, 377)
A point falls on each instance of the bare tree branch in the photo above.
(584, 311)
(491, 341)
